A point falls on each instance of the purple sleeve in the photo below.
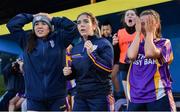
(166, 51)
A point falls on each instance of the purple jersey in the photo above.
(149, 79)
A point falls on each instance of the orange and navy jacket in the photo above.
(125, 39)
(92, 71)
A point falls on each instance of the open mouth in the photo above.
(130, 21)
(82, 30)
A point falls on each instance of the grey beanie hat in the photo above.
(41, 18)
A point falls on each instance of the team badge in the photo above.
(52, 43)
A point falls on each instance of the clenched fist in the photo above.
(67, 71)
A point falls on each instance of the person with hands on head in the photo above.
(92, 61)
(149, 79)
(44, 58)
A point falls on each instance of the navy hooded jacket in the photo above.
(44, 78)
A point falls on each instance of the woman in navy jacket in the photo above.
(43, 54)
(92, 61)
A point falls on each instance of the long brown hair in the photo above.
(31, 44)
(157, 18)
(32, 40)
(93, 19)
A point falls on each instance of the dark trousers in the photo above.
(95, 103)
(158, 105)
(59, 104)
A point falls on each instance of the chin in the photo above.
(84, 35)
(41, 36)
(131, 25)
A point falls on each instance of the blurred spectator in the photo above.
(14, 82)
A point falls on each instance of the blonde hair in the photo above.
(157, 18)
(93, 19)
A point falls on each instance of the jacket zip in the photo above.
(44, 75)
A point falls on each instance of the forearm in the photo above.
(64, 23)
(134, 47)
(103, 62)
(103, 65)
(151, 51)
(66, 28)
(17, 22)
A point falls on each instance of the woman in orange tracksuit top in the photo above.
(122, 40)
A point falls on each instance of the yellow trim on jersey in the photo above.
(171, 58)
(157, 77)
(159, 86)
(98, 64)
(128, 84)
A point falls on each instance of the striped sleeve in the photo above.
(104, 59)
